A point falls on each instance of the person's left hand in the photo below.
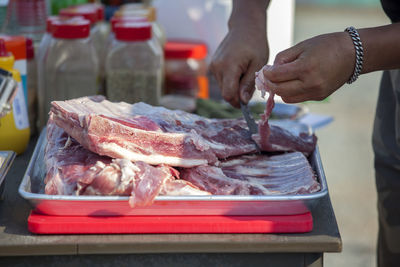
(312, 69)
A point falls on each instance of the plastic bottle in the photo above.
(134, 65)
(71, 66)
(17, 46)
(14, 127)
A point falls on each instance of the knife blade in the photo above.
(253, 127)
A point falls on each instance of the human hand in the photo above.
(312, 69)
(243, 52)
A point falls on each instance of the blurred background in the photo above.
(345, 144)
(187, 32)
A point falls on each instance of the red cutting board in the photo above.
(45, 224)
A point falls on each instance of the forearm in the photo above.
(381, 47)
(248, 13)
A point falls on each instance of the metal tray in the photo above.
(31, 188)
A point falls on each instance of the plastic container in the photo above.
(14, 127)
(134, 65)
(150, 14)
(113, 22)
(42, 53)
(111, 38)
(186, 69)
(71, 66)
(17, 46)
(40, 58)
(95, 14)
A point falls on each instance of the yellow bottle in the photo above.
(14, 127)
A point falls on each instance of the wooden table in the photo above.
(155, 249)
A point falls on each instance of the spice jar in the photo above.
(113, 22)
(150, 14)
(95, 14)
(134, 64)
(42, 54)
(186, 69)
(71, 66)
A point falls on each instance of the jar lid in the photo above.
(115, 20)
(185, 49)
(88, 12)
(132, 31)
(71, 29)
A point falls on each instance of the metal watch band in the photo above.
(359, 53)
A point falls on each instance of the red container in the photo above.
(185, 68)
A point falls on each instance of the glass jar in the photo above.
(186, 69)
(71, 67)
(134, 65)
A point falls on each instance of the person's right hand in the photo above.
(243, 52)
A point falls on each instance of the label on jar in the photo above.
(19, 109)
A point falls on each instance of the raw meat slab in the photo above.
(284, 174)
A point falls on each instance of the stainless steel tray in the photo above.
(31, 188)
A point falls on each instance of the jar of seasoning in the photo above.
(42, 54)
(95, 14)
(186, 69)
(113, 22)
(150, 14)
(134, 65)
(71, 66)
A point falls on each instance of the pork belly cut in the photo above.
(284, 174)
(74, 170)
(155, 135)
(273, 138)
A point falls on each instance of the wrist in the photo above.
(248, 14)
(359, 53)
